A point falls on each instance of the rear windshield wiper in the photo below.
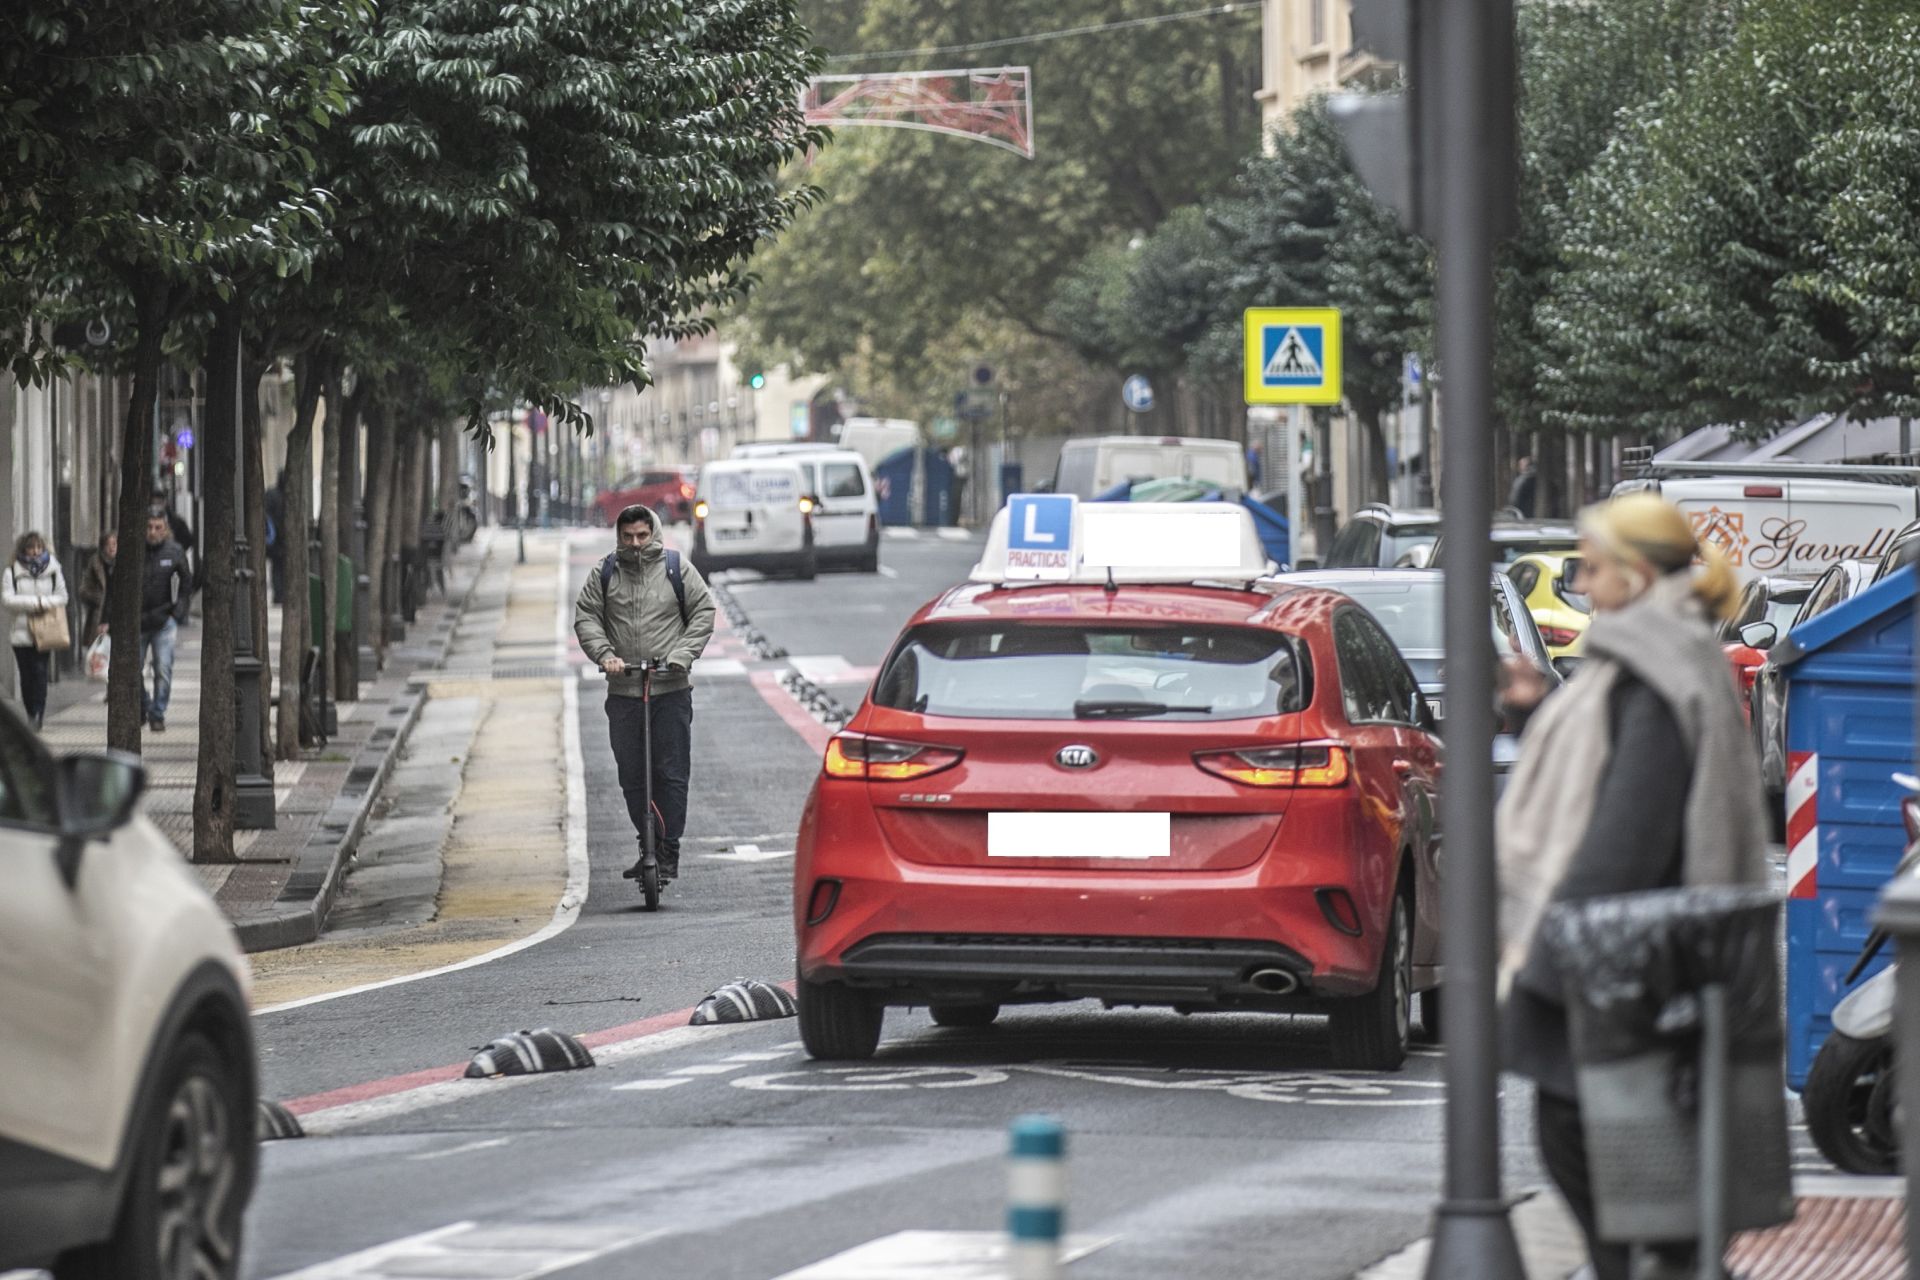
(1117, 709)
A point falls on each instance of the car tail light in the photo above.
(686, 490)
(700, 511)
(1316, 764)
(1559, 635)
(854, 755)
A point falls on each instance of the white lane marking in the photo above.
(952, 534)
(871, 1079)
(821, 668)
(759, 1055)
(907, 532)
(933, 1255)
(640, 1086)
(751, 853)
(572, 898)
(720, 667)
(465, 1147)
(710, 1069)
(889, 571)
(501, 1252)
(350, 1114)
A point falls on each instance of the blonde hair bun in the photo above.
(1646, 529)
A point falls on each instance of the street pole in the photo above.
(1296, 503)
(1473, 1238)
(252, 792)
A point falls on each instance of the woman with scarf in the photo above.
(1637, 775)
(34, 584)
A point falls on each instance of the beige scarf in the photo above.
(1664, 640)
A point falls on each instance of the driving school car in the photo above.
(1123, 763)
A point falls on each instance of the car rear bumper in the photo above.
(1011, 968)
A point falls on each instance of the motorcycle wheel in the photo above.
(1849, 1104)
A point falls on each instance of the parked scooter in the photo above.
(1850, 1095)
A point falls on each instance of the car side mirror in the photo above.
(1417, 558)
(1423, 714)
(1759, 635)
(97, 791)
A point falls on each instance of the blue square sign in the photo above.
(1040, 535)
(1293, 355)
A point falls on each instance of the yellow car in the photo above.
(1545, 580)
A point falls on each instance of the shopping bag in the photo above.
(99, 657)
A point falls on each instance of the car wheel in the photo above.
(870, 558)
(1371, 1032)
(969, 1016)
(808, 566)
(187, 1189)
(1429, 1032)
(837, 1021)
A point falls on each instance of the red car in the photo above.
(668, 490)
(1206, 797)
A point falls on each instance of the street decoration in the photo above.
(987, 104)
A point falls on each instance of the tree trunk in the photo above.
(1376, 439)
(379, 495)
(448, 497)
(347, 497)
(418, 448)
(213, 787)
(330, 522)
(296, 624)
(124, 676)
(253, 460)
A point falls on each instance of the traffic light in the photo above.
(1393, 138)
(757, 380)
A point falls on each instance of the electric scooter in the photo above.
(1850, 1094)
(654, 830)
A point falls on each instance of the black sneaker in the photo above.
(158, 724)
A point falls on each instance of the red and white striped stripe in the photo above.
(1803, 824)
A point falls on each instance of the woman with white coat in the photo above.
(33, 584)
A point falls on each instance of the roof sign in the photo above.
(1053, 537)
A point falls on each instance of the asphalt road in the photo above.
(1199, 1147)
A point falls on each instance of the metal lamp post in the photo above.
(252, 791)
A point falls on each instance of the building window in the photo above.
(1316, 23)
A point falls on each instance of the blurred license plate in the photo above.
(1079, 835)
(732, 535)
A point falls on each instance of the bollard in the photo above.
(1036, 1197)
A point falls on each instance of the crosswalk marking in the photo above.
(468, 1251)
(932, 1255)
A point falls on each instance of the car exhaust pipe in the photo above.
(1276, 982)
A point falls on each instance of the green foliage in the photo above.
(919, 236)
(1742, 251)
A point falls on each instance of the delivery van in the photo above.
(754, 513)
(877, 439)
(1788, 517)
(1090, 467)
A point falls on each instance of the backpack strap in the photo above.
(675, 578)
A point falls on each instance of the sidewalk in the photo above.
(280, 886)
(1845, 1228)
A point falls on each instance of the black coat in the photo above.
(1634, 841)
(167, 589)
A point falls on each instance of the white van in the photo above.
(1094, 465)
(846, 513)
(877, 439)
(1787, 517)
(754, 513)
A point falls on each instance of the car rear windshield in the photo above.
(1506, 551)
(1413, 614)
(1034, 671)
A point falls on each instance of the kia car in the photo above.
(1206, 796)
(669, 491)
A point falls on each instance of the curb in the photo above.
(301, 911)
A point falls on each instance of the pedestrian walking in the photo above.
(182, 534)
(35, 593)
(642, 604)
(165, 594)
(1520, 494)
(1637, 775)
(93, 586)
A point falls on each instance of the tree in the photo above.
(918, 236)
(1734, 255)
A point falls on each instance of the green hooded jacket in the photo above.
(638, 618)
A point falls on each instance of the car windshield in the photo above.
(1400, 540)
(1506, 551)
(1029, 671)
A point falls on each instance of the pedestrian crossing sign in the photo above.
(1293, 355)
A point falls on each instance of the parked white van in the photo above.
(1098, 463)
(846, 512)
(1788, 517)
(877, 439)
(754, 513)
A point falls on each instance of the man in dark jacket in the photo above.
(1520, 494)
(636, 616)
(165, 593)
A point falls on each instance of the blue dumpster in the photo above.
(1849, 729)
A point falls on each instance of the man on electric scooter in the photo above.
(643, 604)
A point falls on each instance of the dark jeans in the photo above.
(1563, 1150)
(35, 667)
(672, 761)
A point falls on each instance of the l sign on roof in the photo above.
(1040, 536)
